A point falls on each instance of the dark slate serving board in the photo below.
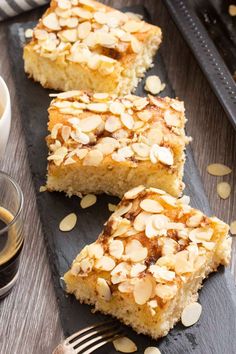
(215, 332)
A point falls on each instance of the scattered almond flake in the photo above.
(141, 149)
(125, 152)
(88, 3)
(84, 29)
(135, 251)
(81, 153)
(97, 107)
(136, 45)
(223, 190)
(127, 120)
(134, 16)
(100, 17)
(122, 228)
(194, 220)
(161, 273)
(42, 189)
(140, 221)
(120, 272)
(191, 314)
(103, 289)
(64, 4)
(137, 269)
(100, 96)
(160, 221)
(51, 21)
(78, 11)
(93, 158)
(200, 234)
(116, 108)
(133, 26)
(126, 287)
(171, 119)
(168, 199)
(157, 191)
(125, 345)
(75, 269)
(151, 206)
(232, 10)
(142, 290)
(95, 250)
(90, 123)
(87, 265)
(88, 200)
(55, 129)
(233, 227)
(68, 222)
(218, 169)
(177, 105)
(164, 155)
(155, 137)
(112, 124)
(209, 245)
(145, 115)
(116, 248)
(69, 161)
(105, 263)
(69, 35)
(106, 40)
(153, 84)
(29, 33)
(166, 292)
(68, 94)
(133, 193)
(123, 209)
(65, 132)
(112, 207)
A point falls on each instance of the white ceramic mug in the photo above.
(5, 116)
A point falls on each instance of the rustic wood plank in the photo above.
(30, 313)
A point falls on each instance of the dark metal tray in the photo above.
(211, 35)
(214, 332)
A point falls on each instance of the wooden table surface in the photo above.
(29, 319)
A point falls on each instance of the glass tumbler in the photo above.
(11, 232)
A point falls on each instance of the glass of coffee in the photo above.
(11, 233)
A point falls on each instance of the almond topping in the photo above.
(123, 209)
(201, 234)
(191, 314)
(177, 105)
(78, 11)
(153, 84)
(124, 345)
(112, 124)
(223, 190)
(166, 292)
(133, 193)
(68, 94)
(75, 269)
(120, 272)
(135, 251)
(140, 221)
(64, 4)
(88, 200)
(90, 123)
(106, 40)
(100, 96)
(194, 220)
(117, 108)
(217, 169)
(136, 45)
(127, 120)
(116, 248)
(233, 227)
(145, 115)
(86, 265)
(51, 21)
(161, 273)
(88, 3)
(84, 29)
(142, 290)
(93, 158)
(103, 289)
(101, 17)
(171, 119)
(97, 107)
(105, 263)
(126, 287)
(69, 35)
(141, 149)
(133, 26)
(29, 33)
(68, 222)
(95, 250)
(112, 207)
(151, 206)
(137, 269)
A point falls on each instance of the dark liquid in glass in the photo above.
(10, 249)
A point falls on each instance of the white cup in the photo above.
(5, 116)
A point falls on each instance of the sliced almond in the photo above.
(75, 269)
(103, 289)
(112, 124)
(124, 345)
(90, 123)
(123, 209)
(86, 265)
(125, 152)
(29, 33)
(112, 207)
(106, 40)
(88, 200)
(136, 46)
(84, 29)
(171, 119)
(233, 227)
(135, 251)
(145, 115)
(93, 158)
(165, 291)
(201, 234)
(126, 287)
(97, 107)
(69, 35)
(161, 273)
(223, 190)
(218, 169)
(64, 4)
(164, 155)
(101, 17)
(154, 85)
(105, 263)
(117, 108)
(116, 248)
(137, 269)
(95, 250)
(68, 222)
(177, 105)
(82, 13)
(194, 220)
(88, 3)
(133, 26)
(141, 149)
(151, 206)
(141, 220)
(191, 314)
(127, 120)
(120, 273)
(133, 193)
(142, 290)
(51, 21)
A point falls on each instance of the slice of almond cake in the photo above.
(150, 260)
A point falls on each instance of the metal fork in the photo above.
(89, 339)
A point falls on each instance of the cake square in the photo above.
(102, 143)
(150, 260)
(83, 44)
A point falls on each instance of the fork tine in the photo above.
(69, 339)
(110, 335)
(91, 334)
(96, 346)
